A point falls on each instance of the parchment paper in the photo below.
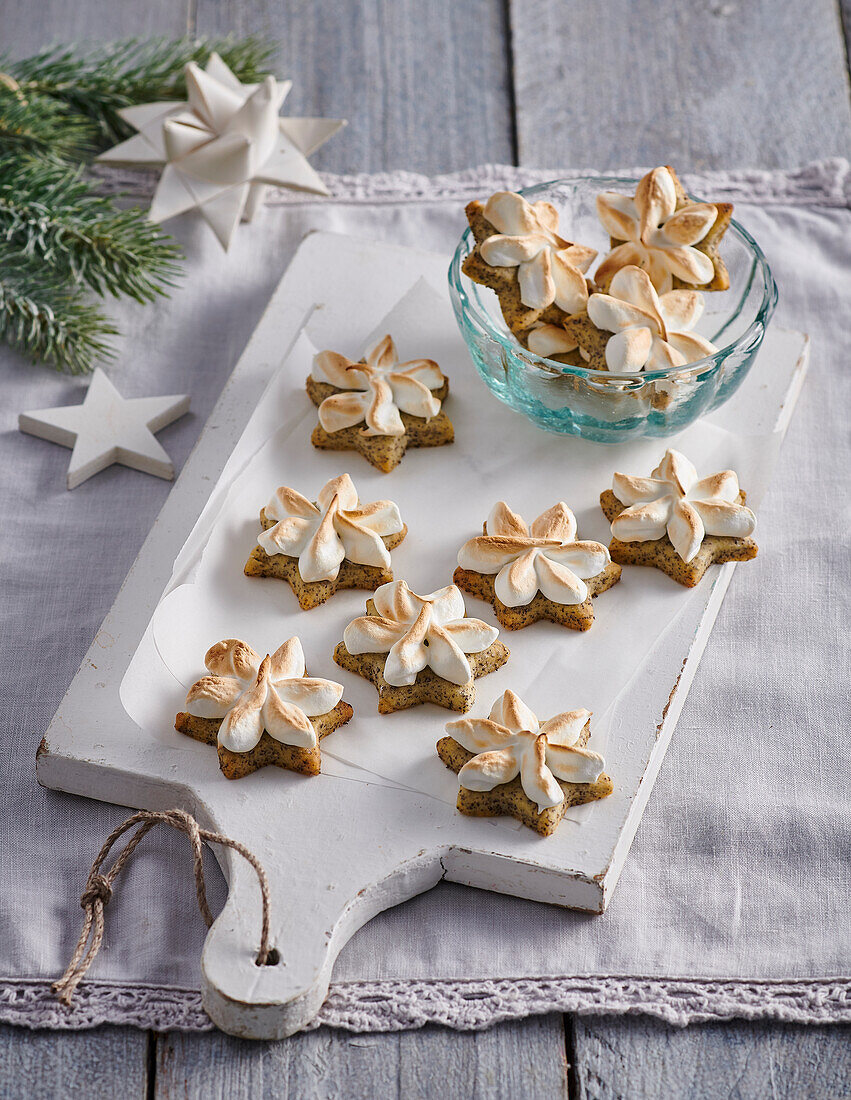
(444, 495)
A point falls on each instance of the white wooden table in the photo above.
(434, 87)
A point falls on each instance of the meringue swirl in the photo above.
(511, 741)
(550, 269)
(655, 235)
(651, 331)
(673, 501)
(337, 527)
(545, 557)
(378, 389)
(251, 695)
(418, 632)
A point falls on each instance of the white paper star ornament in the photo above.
(108, 428)
(222, 147)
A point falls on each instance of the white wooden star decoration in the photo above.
(108, 428)
(222, 147)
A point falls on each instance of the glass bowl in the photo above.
(600, 405)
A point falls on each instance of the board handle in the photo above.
(319, 898)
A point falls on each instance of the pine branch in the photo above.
(46, 318)
(48, 212)
(99, 83)
(33, 123)
(57, 236)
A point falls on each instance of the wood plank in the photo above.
(106, 1062)
(628, 1058)
(644, 82)
(845, 16)
(27, 28)
(521, 1060)
(425, 87)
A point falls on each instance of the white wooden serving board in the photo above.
(343, 846)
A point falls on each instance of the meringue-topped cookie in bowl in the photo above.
(553, 367)
(538, 276)
(632, 328)
(675, 239)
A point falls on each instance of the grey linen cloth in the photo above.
(734, 900)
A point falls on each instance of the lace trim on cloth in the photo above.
(462, 1005)
(821, 183)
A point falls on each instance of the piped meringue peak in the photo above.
(511, 763)
(337, 528)
(663, 231)
(651, 331)
(244, 696)
(550, 269)
(702, 520)
(378, 390)
(515, 564)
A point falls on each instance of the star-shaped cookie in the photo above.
(659, 228)
(261, 713)
(378, 406)
(510, 764)
(537, 275)
(528, 573)
(678, 523)
(318, 548)
(632, 328)
(420, 649)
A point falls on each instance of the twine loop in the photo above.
(98, 891)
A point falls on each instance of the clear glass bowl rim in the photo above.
(549, 366)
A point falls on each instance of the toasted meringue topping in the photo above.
(550, 269)
(656, 236)
(548, 340)
(651, 331)
(251, 695)
(511, 741)
(418, 632)
(545, 558)
(379, 389)
(337, 527)
(673, 501)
